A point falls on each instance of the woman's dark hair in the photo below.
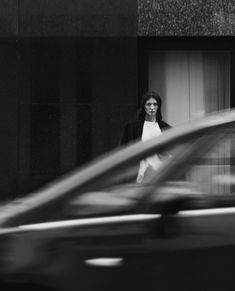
(150, 94)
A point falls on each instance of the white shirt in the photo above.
(150, 130)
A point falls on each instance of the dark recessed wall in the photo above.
(9, 119)
(68, 84)
(64, 101)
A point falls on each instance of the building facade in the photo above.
(72, 74)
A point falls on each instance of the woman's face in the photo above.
(151, 107)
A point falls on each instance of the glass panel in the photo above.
(209, 176)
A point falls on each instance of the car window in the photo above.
(117, 193)
(120, 191)
(207, 176)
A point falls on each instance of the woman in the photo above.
(149, 117)
(149, 124)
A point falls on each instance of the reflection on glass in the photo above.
(207, 177)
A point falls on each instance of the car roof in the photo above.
(57, 192)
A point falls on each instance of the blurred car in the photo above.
(96, 228)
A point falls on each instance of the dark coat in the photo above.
(133, 131)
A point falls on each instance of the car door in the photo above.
(106, 253)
